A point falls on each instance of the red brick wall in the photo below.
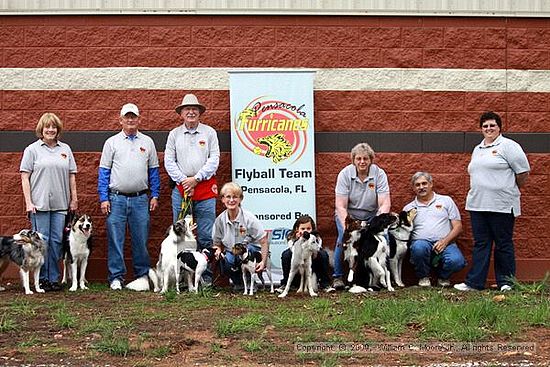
(311, 42)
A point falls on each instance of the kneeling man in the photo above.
(436, 227)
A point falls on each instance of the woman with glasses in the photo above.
(236, 225)
(498, 169)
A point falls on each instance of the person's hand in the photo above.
(30, 208)
(106, 207)
(189, 183)
(439, 246)
(153, 204)
(73, 206)
(260, 266)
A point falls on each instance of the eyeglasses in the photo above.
(130, 117)
(231, 197)
(487, 126)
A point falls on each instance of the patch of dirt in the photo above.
(161, 333)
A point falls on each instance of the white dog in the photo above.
(76, 252)
(303, 250)
(194, 264)
(249, 260)
(180, 238)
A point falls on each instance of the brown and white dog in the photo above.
(399, 234)
(76, 251)
(303, 250)
(26, 249)
(248, 261)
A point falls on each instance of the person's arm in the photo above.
(265, 251)
(521, 178)
(384, 203)
(26, 185)
(341, 207)
(456, 230)
(170, 159)
(73, 206)
(154, 185)
(103, 179)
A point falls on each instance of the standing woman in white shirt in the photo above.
(498, 169)
(48, 177)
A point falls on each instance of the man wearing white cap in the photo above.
(191, 158)
(128, 171)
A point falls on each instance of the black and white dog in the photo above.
(371, 252)
(303, 250)
(399, 234)
(248, 261)
(26, 249)
(192, 264)
(180, 238)
(76, 251)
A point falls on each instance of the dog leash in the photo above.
(186, 207)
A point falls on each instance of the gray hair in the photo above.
(362, 148)
(419, 174)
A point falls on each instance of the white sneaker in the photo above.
(443, 283)
(425, 282)
(140, 284)
(116, 285)
(505, 288)
(464, 287)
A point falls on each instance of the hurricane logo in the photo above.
(274, 129)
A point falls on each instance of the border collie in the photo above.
(180, 238)
(26, 249)
(399, 235)
(248, 261)
(76, 251)
(303, 250)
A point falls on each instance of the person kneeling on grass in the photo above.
(320, 263)
(236, 225)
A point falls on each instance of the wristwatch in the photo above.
(198, 179)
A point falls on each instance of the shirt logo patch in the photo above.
(63, 155)
(142, 149)
(438, 206)
(494, 152)
(202, 143)
(371, 185)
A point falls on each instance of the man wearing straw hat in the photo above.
(191, 158)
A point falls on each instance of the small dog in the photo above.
(192, 264)
(76, 250)
(399, 235)
(303, 250)
(27, 249)
(180, 238)
(373, 251)
(248, 261)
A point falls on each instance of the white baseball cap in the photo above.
(129, 107)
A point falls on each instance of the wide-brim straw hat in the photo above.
(190, 100)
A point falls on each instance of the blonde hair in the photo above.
(233, 187)
(362, 148)
(48, 119)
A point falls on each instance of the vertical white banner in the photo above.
(272, 148)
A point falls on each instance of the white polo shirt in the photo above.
(493, 169)
(246, 228)
(433, 220)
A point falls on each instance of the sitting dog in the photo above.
(180, 238)
(193, 264)
(372, 251)
(248, 261)
(27, 249)
(303, 250)
(399, 233)
(76, 250)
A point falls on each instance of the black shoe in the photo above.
(55, 287)
(46, 285)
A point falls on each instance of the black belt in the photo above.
(130, 194)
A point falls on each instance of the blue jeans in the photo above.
(489, 227)
(134, 212)
(51, 225)
(451, 259)
(339, 251)
(228, 263)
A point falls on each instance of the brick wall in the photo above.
(310, 42)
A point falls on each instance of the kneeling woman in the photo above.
(236, 225)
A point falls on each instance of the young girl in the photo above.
(320, 263)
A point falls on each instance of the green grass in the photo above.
(23, 307)
(7, 323)
(240, 324)
(115, 346)
(64, 319)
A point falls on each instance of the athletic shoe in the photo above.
(425, 282)
(443, 283)
(140, 284)
(338, 283)
(116, 285)
(505, 288)
(464, 287)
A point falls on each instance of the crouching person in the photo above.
(436, 227)
(236, 225)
